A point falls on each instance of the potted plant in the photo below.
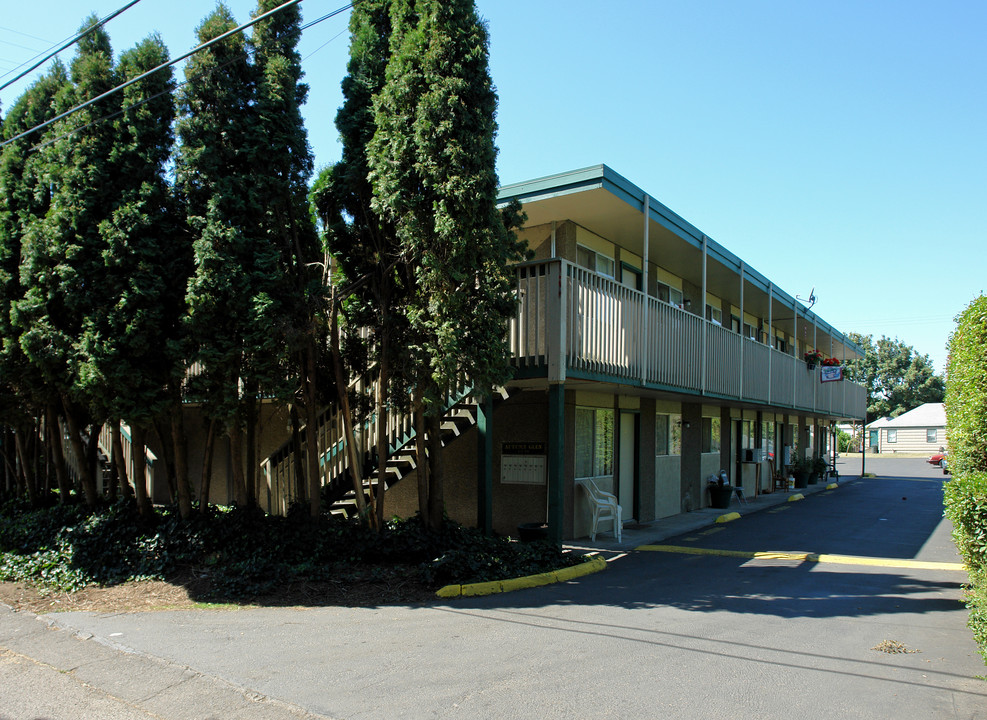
(811, 358)
(800, 471)
(831, 362)
(817, 470)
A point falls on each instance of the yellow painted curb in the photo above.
(832, 486)
(729, 517)
(796, 497)
(808, 557)
(594, 564)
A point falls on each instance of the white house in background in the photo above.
(922, 430)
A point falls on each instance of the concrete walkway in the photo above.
(634, 536)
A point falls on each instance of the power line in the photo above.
(140, 77)
(69, 43)
(202, 74)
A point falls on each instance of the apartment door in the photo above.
(628, 466)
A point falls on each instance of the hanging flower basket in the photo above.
(812, 357)
(831, 362)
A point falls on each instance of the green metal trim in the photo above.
(556, 461)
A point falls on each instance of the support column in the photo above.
(692, 453)
(556, 461)
(484, 465)
(649, 476)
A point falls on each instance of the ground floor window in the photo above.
(711, 435)
(594, 442)
(768, 439)
(668, 435)
(931, 435)
(892, 436)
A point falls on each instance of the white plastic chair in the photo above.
(604, 506)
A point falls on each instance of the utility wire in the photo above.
(204, 73)
(68, 43)
(140, 77)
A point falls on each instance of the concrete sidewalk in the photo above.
(654, 532)
(53, 672)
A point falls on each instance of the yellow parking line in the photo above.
(809, 557)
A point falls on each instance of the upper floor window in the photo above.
(714, 315)
(668, 294)
(597, 262)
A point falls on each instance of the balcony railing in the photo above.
(572, 321)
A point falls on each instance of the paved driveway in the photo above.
(659, 634)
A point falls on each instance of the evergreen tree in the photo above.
(432, 166)
(281, 178)
(235, 293)
(25, 198)
(129, 351)
(364, 245)
(63, 254)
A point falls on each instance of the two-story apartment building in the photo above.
(648, 357)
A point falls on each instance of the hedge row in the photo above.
(966, 434)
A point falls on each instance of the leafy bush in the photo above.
(245, 553)
(966, 508)
(966, 391)
(966, 436)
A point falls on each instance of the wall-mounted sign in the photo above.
(523, 463)
(830, 373)
(523, 448)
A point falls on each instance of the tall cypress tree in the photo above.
(363, 243)
(25, 198)
(63, 255)
(281, 176)
(234, 295)
(128, 346)
(432, 165)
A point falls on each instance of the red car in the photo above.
(937, 459)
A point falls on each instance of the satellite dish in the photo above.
(811, 299)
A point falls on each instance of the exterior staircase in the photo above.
(338, 493)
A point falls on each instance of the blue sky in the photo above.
(839, 145)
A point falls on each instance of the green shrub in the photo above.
(966, 391)
(966, 508)
(245, 553)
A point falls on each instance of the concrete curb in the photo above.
(594, 564)
(729, 517)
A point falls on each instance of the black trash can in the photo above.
(532, 532)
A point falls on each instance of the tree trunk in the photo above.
(179, 442)
(120, 461)
(436, 501)
(85, 471)
(138, 460)
(250, 477)
(300, 488)
(382, 382)
(163, 434)
(236, 461)
(57, 453)
(206, 480)
(312, 430)
(27, 467)
(92, 458)
(356, 464)
(421, 450)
